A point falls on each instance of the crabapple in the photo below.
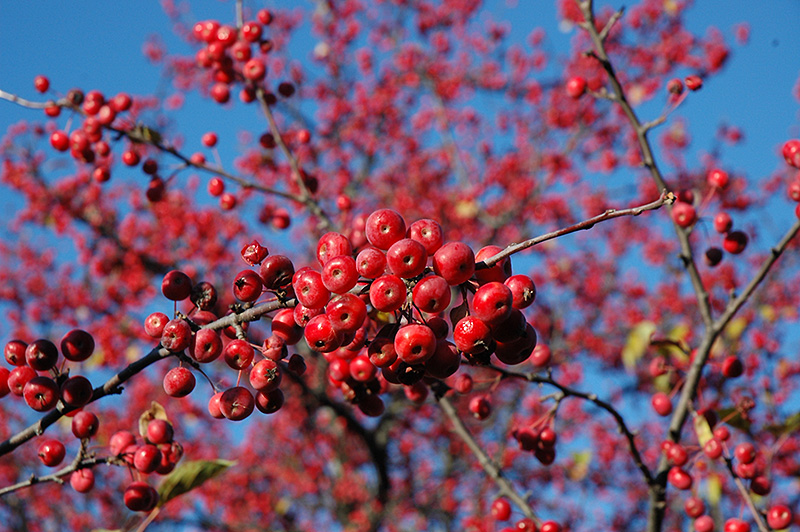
(177, 335)
(247, 286)
(718, 178)
(501, 509)
(431, 294)
(735, 242)
(384, 227)
(85, 424)
(238, 354)
(206, 346)
(14, 352)
(77, 345)
(471, 335)
(406, 258)
(176, 285)
(41, 393)
(265, 376)
(732, 367)
(779, 517)
(154, 324)
(684, 214)
(745, 452)
(51, 452)
(361, 369)
(693, 82)
(310, 290)
(371, 263)
(140, 497)
(41, 355)
(236, 403)
(694, 507)
(492, 303)
(499, 272)
(704, 523)
(722, 222)
(387, 293)
(19, 378)
(679, 478)
(575, 87)
(346, 312)
(480, 407)
(179, 382)
(523, 291)
(445, 360)
(82, 480)
(454, 261)
(276, 272)
(414, 343)
(339, 275)
(428, 233)
(160, 431)
(736, 525)
(270, 402)
(661, 404)
(254, 253)
(76, 391)
(213, 406)
(321, 335)
(519, 350)
(147, 458)
(284, 325)
(332, 244)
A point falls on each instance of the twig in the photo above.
(494, 472)
(745, 493)
(592, 398)
(666, 198)
(58, 475)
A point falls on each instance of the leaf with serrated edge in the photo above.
(188, 476)
(156, 411)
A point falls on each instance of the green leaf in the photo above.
(735, 419)
(188, 476)
(791, 424)
(637, 344)
(156, 411)
(702, 429)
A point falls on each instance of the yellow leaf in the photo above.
(579, 467)
(637, 344)
(768, 313)
(735, 328)
(702, 429)
(714, 490)
(156, 411)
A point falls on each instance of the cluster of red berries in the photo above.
(501, 511)
(36, 378)
(541, 441)
(375, 315)
(750, 465)
(227, 53)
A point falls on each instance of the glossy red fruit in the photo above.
(704, 523)
(745, 453)
(14, 352)
(41, 355)
(791, 152)
(445, 360)
(541, 356)
(4, 388)
(77, 345)
(332, 244)
(519, 350)
(59, 140)
(310, 290)
(480, 406)
(371, 263)
(684, 214)
(206, 346)
(736, 525)
(265, 376)
(347, 312)
(179, 382)
(154, 324)
(523, 291)
(679, 478)
(732, 367)
(384, 227)
(550, 526)
(694, 507)
(381, 352)
(236, 403)
(713, 448)
(176, 285)
(41, 83)
(431, 294)
(718, 178)
(276, 272)
(454, 261)
(247, 286)
(147, 458)
(406, 258)
(76, 391)
(85, 424)
(339, 275)
(177, 335)
(387, 293)
(18, 378)
(414, 343)
(254, 253)
(722, 222)
(428, 233)
(735, 242)
(471, 335)
(779, 517)
(238, 354)
(501, 509)
(321, 335)
(140, 497)
(693, 82)
(661, 404)
(499, 272)
(41, 393)
(213, 406)
(270, 402)
(575, 87)
(51, 452)
(492, 303)
(82, 480)
(284, 325)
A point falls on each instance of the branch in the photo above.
(494, 472)
(762, 527)
(78, 463)
(592, 398)
(114, 384)
(666, 198)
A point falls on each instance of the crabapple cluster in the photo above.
(376, 314)
(539, 440)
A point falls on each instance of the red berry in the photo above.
(713, 448)
(82, 480)
(735, 242)
(41, 355)
(19, 378)
(339, 275)
(576, 86)
(265, 376)
(216, 186)
(718, 178)
(661, 404)
(130, 158)
(791, 152)
(59, 140)
(387, 293)
(779, 517)
(321, 335)
(371, 263)
(684, 214)
(704, 523)
(247, 286)
(176, 285)
(179, 382)
(694, 507)
(722, 222)
(140, 497)
(76, 391)
(428, 233)
(51, 452)
(414, 343)
(471, 335)
(270, 402)
(745, 453)
(675, 86)
(384, 227)
(679, 478)
(431, 294)
(501, 509)
(14, 352)
(85, 424)
(41, 393)
(454, 261)
(177, 335)
(236, 403)
(693, 82)
(541, 356)
(518, 350)
(41, 83)
(736, 525)
(523, 291)
(310, 290)
(220, 92)
(346, 312)
(254, 69)
(251, 31)
(492, 303)
(406, 258)
(264, 16)
(331, 245)
(77, 345)
(480, 407)
(154, 324)
(238, 354)
(276, 272)
(732, 367)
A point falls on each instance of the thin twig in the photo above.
(745, 493)
(666, 198)
(494, 472)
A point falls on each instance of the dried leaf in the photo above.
(189, 475)
(156, 411)
(637, 344)
(458, 312)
